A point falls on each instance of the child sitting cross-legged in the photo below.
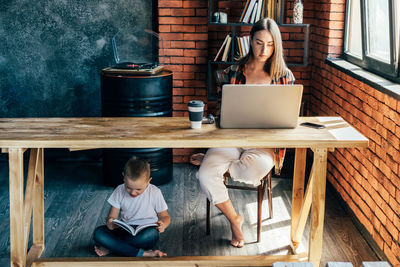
(139, 203)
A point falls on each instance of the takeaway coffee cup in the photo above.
(196, 108)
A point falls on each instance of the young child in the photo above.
(140, 203)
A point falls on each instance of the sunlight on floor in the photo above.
(277, 228)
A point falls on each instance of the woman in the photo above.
(264, 64)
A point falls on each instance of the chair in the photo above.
(266, 181)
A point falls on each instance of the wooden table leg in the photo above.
(17, 220)
(38, 207)
(318, 206)
(298, 190)
(38, 202)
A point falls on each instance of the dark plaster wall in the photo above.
(52, 52)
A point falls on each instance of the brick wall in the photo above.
(367, 179)
(184, 30)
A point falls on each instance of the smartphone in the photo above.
(312, 125)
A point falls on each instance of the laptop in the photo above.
(260, 106)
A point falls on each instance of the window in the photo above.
(372, 36)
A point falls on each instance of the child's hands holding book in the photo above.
(160, 226)
(163, 221)
(110, 224)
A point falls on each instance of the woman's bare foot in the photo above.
(196, 159)
(154, 253)
(101, 251)
(237, 234)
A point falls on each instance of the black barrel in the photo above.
(127, 95)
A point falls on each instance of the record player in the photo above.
(137, 52)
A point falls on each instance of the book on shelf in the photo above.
(130, 229)
(254, 10)
(221, 49)
(242, 46)
(246, 43)
(246, 6)
(253, 13)
(247, 11)
(239, 48)
(236, 53)
(227, 48)
(259, 10)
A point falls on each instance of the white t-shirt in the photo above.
(138, 210)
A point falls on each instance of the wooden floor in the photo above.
(75, 203)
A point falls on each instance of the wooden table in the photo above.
(18, 135)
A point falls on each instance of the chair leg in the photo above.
(208, 219)
(270, 195)
(259, 210)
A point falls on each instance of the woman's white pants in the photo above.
(244, 165)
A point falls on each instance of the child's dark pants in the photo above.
(122, 243)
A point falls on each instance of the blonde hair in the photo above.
(275, 66)
(135, 168)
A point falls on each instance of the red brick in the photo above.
(171, 36)
(176, 83)
(193, 83)
(182, 60)
(173, 52)
(336, 16)
(201, 28)
(201, 12)
(389, 124)
(195, 36)
(394, 205)
(195, 52)
(188, 98)
(183, 28)
(182, 12)
(385, 169)
(393, 139)
(201, 60)
(177, 99)
(183, 76)
(175, 67)
(183, 44)
(179, 106)
(365, 221)
(164, 12)
(201, 45)
(380, 215)
(390, 101)
(170, 20)
(337, 7)
(194, 68)
(195, 20)
(164, 28)
(378, 239)
(169, 3)
(183, 91)
(191, 3)
(385, 235)
(391, 256)
(201, 92)
(376, 223)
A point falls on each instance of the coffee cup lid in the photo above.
(196, 103)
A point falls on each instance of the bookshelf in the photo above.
(235, 27)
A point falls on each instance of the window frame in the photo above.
(387, 70)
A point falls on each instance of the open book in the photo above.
(130, 229)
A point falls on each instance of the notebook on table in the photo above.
(260, 106)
